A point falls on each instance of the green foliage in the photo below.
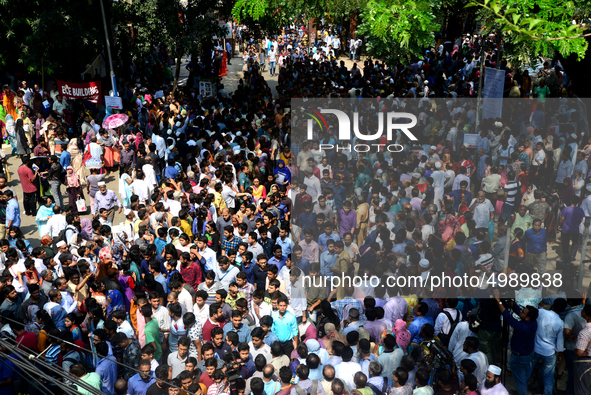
(68, 34)
(540, 27)
(392, 27)
(398, 26)
(144, 24)
(63, 33)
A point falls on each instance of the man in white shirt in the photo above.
(203, 251)
(456, 342)
(253, 245)
(471, 352)
(201, 308)
(60, 105)
(160, 145)
(483, 210)
(346, 370)
(184, 297)
(272, 60)
(313, 184)
(442, 322)
(140, 187)
(226, 274)
(539, 155)
(439, 177)
(28, 93)
(123, 325)
(56, 223)
(259, 308)
(160, 314)
(257, 344)
(336, 44)
(450, 181)
(68, 302)
(150, 174)
(229, 194)
(459, 178)
(171, 203)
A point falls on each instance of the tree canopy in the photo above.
(69, 34)
(394, 28)
(539, 27)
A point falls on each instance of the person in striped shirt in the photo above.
(512, 189)
(583, 351)
(53, 349)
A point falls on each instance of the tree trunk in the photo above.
(177, 70)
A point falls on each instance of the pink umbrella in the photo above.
(114, 121)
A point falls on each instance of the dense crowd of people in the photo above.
(219, 280)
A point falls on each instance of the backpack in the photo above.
(313, 390)
(467, 259)
(83, 360)
(375, 389)
(62, 236)
(446, 338)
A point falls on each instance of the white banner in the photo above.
(492, 92)
(114, 102)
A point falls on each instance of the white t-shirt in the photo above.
(229, 195)
(272, 55)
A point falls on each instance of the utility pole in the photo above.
(480, 80)
(584, 252)
(498, 48)
(509, 225)
(108, 45)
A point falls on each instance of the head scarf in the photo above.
(115, 302)
(549, 142)
(33, 325)
(86, 226)
(283, 170)
(73, 147)
(331, 335)
(105, 253)
(403, 336)
(566, 191)
(138, 140)
(72, 178)
(10, 125)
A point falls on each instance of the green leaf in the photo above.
(534, 22)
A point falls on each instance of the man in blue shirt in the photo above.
(522, 342)
(328, 234)
(13, 212)
(460, 194)
(535, 244)
(8, 373)
(284, 241)
(327, 259)
(106, 368)
(339, 192)
(278, 258)
(171, 171)
(237, 326)
(140, 382)
(65, 158)
(299, 261)
(420, 311)
(484, 143)
(160, 241)
(285, 326)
